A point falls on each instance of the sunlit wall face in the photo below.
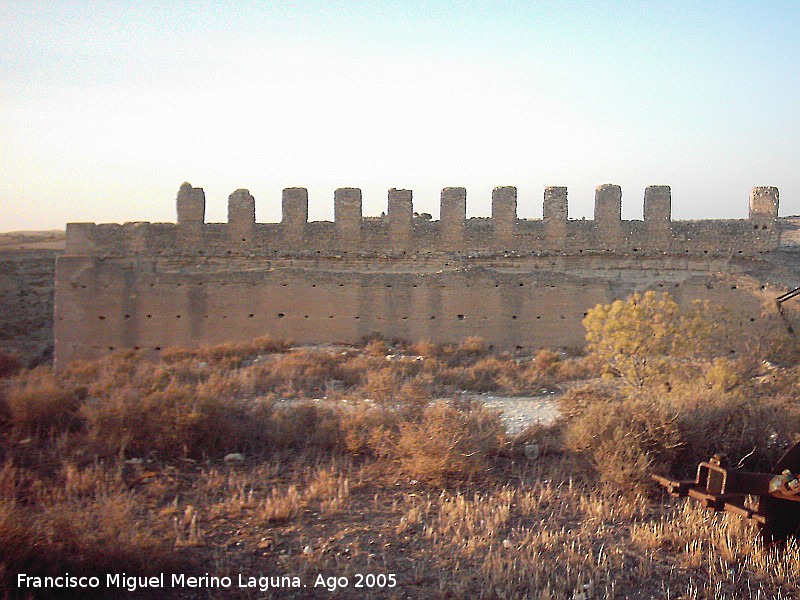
(106, 108)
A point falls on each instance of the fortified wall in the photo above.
(514, 282)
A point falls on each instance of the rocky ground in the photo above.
(520, 412)
(27, 271)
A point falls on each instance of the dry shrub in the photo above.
(175, 422)
(414, 395)
(782, 383)
(118, 369)
(364, 425)
(579, 368)
(626, 440)
(483, 376)
(281, 505)
(473, 347)
(376, 348)
(576, 400)
(10, 364)
(540, 373)
(545, 363)
(224, 353)
(305, 425)
(547, 439)
(779, 341)
(381, 384)
(628, 437)
(736, 423)
(447, 441)
(297, 374)
(39, 403)
(89, 538)
(725, 374)
(426, 349)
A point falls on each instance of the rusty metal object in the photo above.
(779, 303)
(769, 500)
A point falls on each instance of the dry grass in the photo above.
(447, 441)
(629, 434)
(118, 466)
(84, 521)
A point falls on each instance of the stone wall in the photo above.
(399, 231)
(514, 282)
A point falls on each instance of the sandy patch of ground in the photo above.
(520, 412)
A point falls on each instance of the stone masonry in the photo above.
(514, 282)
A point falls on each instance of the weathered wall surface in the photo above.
(513, 282)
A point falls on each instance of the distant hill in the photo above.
(13, 241)
(790, 234)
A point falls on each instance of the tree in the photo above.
(641, 337)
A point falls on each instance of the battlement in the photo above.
(401, 231)
(512, 281)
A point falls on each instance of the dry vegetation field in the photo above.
(370, 465)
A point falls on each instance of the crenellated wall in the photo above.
(399, 231)
(515, 282)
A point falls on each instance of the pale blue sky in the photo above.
(107, 107)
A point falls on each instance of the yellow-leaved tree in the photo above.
(646, 336)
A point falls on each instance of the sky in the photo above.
(107, 107)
